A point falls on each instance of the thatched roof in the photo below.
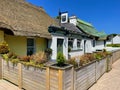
(24, 19)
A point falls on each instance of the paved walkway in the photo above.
(4, 85)
(109, 81)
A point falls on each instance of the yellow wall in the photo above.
(1, 36)
(17, 44)
(41, 44)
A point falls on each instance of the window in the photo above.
(30, 46)
(93, 43)
(64, 18)
(78, 43)
(60, 45)
(70, 42)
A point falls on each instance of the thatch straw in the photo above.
(24, 19)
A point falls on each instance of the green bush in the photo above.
(60, 59)
(113, 45)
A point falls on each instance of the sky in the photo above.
(104, 15)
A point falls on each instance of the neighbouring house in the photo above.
(24, 26)
(113, 39)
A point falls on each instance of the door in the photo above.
(60, 45)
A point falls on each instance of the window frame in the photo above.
(33, 47)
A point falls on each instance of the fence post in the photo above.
(0, 67)
(48, 78)
(20, 75)
(60, 79)
(72, 80)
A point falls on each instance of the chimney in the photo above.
(73, 20)
(64, 17)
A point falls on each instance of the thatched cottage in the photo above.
(24, 26)
(28, 29)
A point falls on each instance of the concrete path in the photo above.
(109, 81)
(4, 85)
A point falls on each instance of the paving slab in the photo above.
(5, 85)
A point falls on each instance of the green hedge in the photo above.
(113, 45)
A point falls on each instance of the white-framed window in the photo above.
(64, 17)
(30, 46)
(79, 43)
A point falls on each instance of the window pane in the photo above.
(30, 46)
(70, 42)
(30, 42)
(78, 43)
(63, 18)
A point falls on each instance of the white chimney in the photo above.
(73, 20)
(64, 17)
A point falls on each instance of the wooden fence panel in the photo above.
(100, 68)
(85, 77)
(33, 78)
(54, 79)
(10, 72)
(115, 55)
(68, 79)
(0, 67)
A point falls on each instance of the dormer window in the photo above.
(64, 17)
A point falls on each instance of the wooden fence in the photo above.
(54, 78)
(115, 55)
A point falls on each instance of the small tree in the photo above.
(60, 59)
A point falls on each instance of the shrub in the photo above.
(60, 59)
(5, 56)
(48, 53)
(72, 61)
(12, 55)
(25, 58)
(48, 50)
(113, 45)
(40, 58)
(4, 48)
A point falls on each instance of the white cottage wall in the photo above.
(99, 45)
(54, 46)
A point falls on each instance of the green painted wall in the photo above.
(1, 36)
(41, 44)
(17, 44)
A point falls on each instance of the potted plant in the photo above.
(60, 59)
(48, 52)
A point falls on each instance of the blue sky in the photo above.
(103, 14)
